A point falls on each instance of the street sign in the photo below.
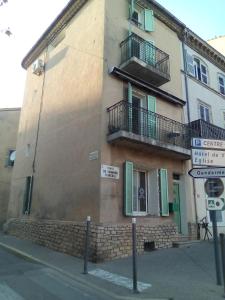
(208, 144)
(215, 204)
(208, 157)
(214, 187)
(207, 172)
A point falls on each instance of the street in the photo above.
(22, 279)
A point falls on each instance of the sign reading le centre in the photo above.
(208, 144)
(208, 157)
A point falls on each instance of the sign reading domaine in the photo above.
(207, 172)
(208, 157)
(110, 172)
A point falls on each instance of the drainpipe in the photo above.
(185, 33)
(39, 116)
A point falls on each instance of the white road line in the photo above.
(6, 293)
(118, 280)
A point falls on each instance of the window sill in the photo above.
(139, 214)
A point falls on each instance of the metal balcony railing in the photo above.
(135, 46)
(207, 130)
(124, 116)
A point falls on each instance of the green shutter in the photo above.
(151, 117)
(130, 95)
(149, 20)
(128, 188)
(150, 53)
(28, 195)
(131, 8)
(164, 198)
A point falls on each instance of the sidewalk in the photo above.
(184, 274)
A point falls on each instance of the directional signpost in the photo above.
(207, 172)
(209, 158)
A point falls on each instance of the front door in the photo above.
(176, 204)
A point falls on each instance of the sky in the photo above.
(28, 19)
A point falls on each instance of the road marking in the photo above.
(118, 280)
(6, 293)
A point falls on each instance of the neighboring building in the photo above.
(218, 43)
(106, 90)
(204, 90)
(9, 122)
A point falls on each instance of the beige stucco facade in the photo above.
(9, 121)
(64, 119)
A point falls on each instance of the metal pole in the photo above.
(216, 246)
(135, 288)
(223, 258)
(86, 250)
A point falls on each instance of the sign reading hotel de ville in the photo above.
(203, 157)
(208, 144)
(110, 172)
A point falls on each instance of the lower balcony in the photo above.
(207, 130)
(140, 128)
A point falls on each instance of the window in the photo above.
(201, 72)
(10, 158)
(221, 80)
(28, 195)
(205, 112)
(142, 17)
(139, 191)
(144, 193)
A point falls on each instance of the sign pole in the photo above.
(216, 246)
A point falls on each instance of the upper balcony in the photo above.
(143, 129)
(143, 60)
(207, 130)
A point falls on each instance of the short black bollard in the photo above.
(86, 250)
(135, 288)
(222, 245)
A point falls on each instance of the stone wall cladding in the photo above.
(193, 231)
(106, 241)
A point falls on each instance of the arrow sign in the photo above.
(215, 203)
(207, 172)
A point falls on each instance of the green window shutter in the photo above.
(152, 124)
(130, 96)
(128, 188)
(149, 20)
(164, 197)
(131, 8)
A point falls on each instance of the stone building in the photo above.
(102, 131)
(9, 122)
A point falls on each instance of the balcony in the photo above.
(133, 126)
(207, 130)
(145, 61)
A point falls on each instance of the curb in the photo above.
(81, 281)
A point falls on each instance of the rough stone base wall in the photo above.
(106, 241)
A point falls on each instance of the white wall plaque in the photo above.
(110, 172)
(93, 155)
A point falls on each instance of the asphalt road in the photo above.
(22, 279)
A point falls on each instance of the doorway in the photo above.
(176, 204)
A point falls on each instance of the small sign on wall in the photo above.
(110, 172)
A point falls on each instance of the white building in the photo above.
(204, 91)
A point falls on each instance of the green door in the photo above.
(176, 205)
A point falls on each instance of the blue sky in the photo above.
(204, 17)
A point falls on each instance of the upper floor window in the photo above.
(205, 112)
(141, 16)
(221, 80)
(200, 69)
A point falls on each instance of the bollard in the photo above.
(86, 250)
(134, 246)
(223, 258)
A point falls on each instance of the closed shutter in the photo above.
(164, 198)
(129, 110)
(150, 53)
(128, 188)
(149, 20)
(28, 195)
(131, 8)
(151, 117)
(190, 64)
(153, 195)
